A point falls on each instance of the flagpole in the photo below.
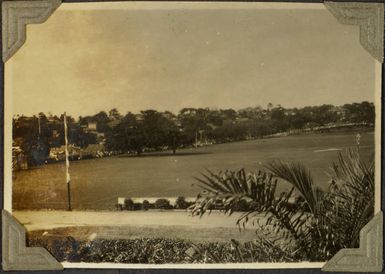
(68, 179)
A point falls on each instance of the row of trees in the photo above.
(154, 130)
(151, 129)
(36, 135)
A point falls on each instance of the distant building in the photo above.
(113, 123)
(91, 126)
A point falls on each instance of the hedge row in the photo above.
(180, 203)
(160, 203)
(158, 251)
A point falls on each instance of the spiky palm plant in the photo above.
(317, 223)
(352, 200)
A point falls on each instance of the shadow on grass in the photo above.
(164, 154)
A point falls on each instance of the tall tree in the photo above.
(114, 114)
(127, 136)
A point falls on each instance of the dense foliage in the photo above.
(160, 203)
(318, 223)
(158, 251)
(151, 130)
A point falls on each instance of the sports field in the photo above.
(97, 183)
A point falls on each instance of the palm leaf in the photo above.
(298, 176)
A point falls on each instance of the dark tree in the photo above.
(127, 136)
(101, 120)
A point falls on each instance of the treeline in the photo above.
(152, 130)
(37, 135)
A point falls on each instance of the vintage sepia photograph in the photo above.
(190, 133)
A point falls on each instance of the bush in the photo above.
(137, 206)
(163, 204)
(157, 250)
(181, 203)
(146, 205)
(128, 204)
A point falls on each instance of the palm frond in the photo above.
(230, 188)
(258, 191)
(352, 204)
(319, 223)
(298, 176)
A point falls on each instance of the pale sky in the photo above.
(86, 61)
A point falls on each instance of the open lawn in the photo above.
(97, 183)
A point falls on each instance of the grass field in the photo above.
(97, 183)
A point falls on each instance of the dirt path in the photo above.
(38, 220)
(134, 224)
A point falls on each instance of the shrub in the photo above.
(163, 204)
(157, 250)
(146, 205)
(181, 203)
(137, 206)
(128, 204)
